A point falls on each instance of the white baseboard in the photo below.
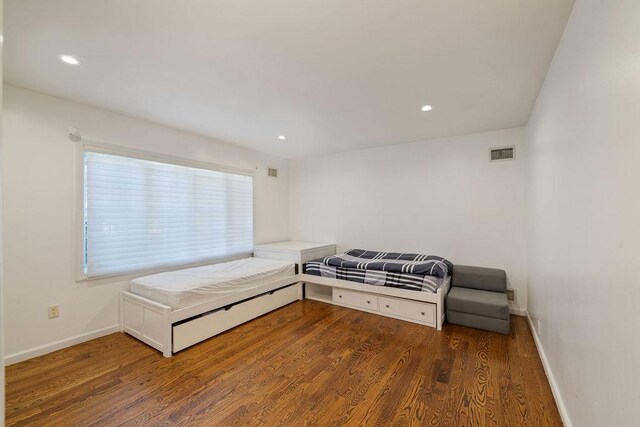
(552, 380)
(58, 345)
(517, 311)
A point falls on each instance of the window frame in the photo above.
(116, 150)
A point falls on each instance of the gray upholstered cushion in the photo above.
(480, 322)
(481, 303)
(486, 279)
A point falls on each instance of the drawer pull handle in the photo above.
(368, 302)
(422, 313)
(339, 296)
(387, 306)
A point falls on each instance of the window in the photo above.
(141, 214)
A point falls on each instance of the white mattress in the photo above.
(183, 288)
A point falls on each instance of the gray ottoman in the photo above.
(478, 299)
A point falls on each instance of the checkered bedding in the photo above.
(392, 262)
(413, 282)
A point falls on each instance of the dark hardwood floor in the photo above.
(307, 363)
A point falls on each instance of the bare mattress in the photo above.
(183, 288)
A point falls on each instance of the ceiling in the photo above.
(330, 75)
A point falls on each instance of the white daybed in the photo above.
(405, 286)
(177, 309)
(426, 308)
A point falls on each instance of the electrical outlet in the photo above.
(54, 311)
(539, 327)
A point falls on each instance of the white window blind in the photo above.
(142, 214)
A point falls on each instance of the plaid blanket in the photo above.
(412, 282)
(393, 262)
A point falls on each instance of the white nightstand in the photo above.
(298, 252)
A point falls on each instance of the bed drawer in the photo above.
(199, 329)
(423, 312)
(356, 299)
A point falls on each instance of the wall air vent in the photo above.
(273, 172)
(511, 295)
(502, 153)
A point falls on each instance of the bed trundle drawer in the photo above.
(423, 312)
(356, 299)
(199, 329)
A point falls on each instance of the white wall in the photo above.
(39, 208)
(584, 208)
(1, 264)
(441, 197)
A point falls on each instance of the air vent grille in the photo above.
(503, 153)
(511, 295)
(273, 172)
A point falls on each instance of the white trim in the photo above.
(517, 311)
(118, 150)
(59, 345)
(550, 377)
(101, 147)
(79, 213)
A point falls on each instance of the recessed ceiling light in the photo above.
(282, 137)
(69, 59)
(427, 108)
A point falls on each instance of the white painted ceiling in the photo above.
(331, 75)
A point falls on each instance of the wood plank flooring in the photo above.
(308, 363)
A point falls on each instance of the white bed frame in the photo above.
(170, 331)
(424, 308)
